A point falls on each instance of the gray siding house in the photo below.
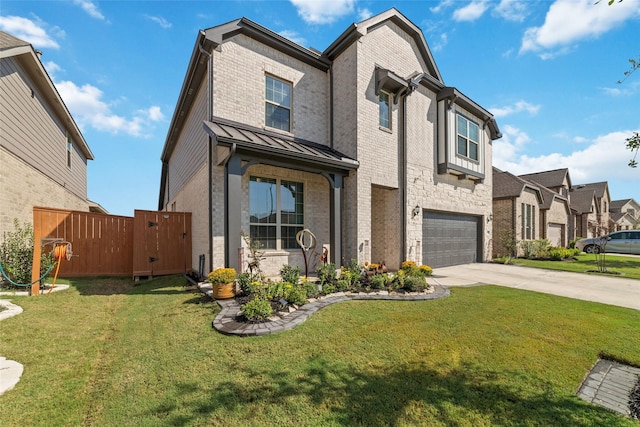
(363, 144)
(43, 155)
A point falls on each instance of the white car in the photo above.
(622, 242)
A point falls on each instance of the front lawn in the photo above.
(628, 266)
(106, 353)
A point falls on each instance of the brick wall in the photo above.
(22, 187)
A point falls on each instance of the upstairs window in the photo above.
(468, 138)
(278, 104)
(384, 110)
(69, 149)
(276, 209)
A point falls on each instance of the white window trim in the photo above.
(268, 101)
(389, 115)
(469, 140)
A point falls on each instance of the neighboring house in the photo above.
(516, 211)
(363, 144)
(43, 155)
(557, 180)
(585, 213)
(625, 214)
(600, 224)
(555, 217)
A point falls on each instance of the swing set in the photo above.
(61, 250)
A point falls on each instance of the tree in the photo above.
(633, 142)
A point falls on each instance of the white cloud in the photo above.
(442, 5)
(587, 20)
(90, 7)
(604, 157)
(52, 68)
(627, 89)
(515, 108)
(88, 109)
(439, 43)
(29, 31)
(322, 11)
(511, 10)
(472, 11)
(294, 36)
(160, 21)
(364, 14)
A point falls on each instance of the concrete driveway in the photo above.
(589, 287)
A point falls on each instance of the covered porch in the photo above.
(265, 194)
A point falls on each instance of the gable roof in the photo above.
(357, 30)
(599, 188)
(582, 199)
(616, 205)
(28, 57)
(507, 186)
(550, 179)
(548, 197)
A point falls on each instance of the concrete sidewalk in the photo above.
(589, 287)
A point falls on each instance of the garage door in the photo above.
(449, 239)
(554, 234)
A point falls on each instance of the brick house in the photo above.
(624, 214)
(43, 155)
(363, 144)
(595, 222)
(516, 210)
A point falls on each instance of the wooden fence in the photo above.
(150, 243)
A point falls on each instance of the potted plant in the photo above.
(223, 282)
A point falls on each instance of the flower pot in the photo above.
(223, 290)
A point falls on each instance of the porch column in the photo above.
(233, 211)
(335, 219)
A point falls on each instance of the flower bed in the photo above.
(262, 300)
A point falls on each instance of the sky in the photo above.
(547, 70)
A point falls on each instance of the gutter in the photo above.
(210, 145)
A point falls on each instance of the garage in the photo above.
(450, 239)
(555, 233)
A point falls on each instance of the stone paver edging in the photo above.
(10, 370)
(10, 309)
(225, 322)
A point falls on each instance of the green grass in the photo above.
(628, 266)
(105, 353)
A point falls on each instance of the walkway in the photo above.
(225, 322)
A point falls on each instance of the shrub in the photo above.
(327, 273)
(278, 290)
(244, 280)
(572, 243)
(296, 295)
(311, 289)
(535, 248)
(378, 281)
(398, 280)
(343, 285)
(408, 265)
(257, 310)
(222, 275)
(290, 274)
(328, 289)
(16, 254)
(425, 270)
(414, 284)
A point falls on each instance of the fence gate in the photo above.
(162, 243)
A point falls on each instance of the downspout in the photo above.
(331, 105)
(414, 82)
(210, 147)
